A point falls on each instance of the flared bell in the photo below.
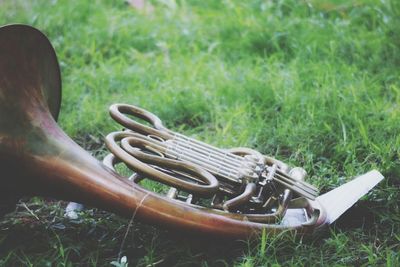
(29, 80)
(29, 71)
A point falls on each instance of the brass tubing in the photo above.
(271, 161)
(294, 183)
(224, 168)
(110, 161)
(170, 164)
(287, 181)
(241, 199)
(296, 189)
(309, 186)
(262, 218)
(255, 218)
(201, 146)
(144, 169)
(218, 160)
(160, 148)
(213, 167)
(117, 112)
(243, 151)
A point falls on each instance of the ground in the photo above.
(313, 83)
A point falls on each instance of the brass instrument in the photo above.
(248, 180)
(234, 193)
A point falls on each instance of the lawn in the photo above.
(313, 83)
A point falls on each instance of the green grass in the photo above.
(313, 83)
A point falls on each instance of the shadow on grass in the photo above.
(40, 235)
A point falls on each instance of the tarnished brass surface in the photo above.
(38, 159)
(244, 184)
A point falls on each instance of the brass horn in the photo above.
(38, 158)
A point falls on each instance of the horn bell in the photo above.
(30, 87)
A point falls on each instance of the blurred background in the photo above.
(312, 83)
